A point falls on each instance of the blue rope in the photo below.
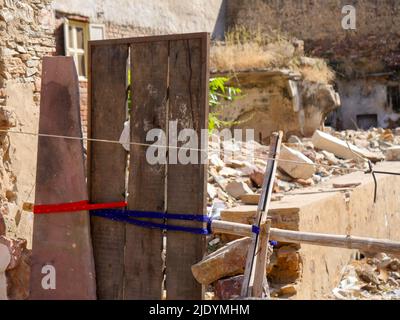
(128, 215)
(153, 215)
(255, 229)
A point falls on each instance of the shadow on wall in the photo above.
(219, 29)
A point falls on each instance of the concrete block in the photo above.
(304, 169)
(339, 148)
(241, 214)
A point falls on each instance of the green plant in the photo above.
(220, 91)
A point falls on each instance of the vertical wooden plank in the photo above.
(61, 241)
(107, 162)
(143, 261)
(186, 184)
(260, 283)
(261, 218)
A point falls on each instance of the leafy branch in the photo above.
(219, 92)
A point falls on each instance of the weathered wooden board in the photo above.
(61, 241)
(143, 261)
(256, 258)
(186, 185)
(107, 163)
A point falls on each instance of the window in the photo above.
(393, 96)
(367, 121)
(97, 32)
(76, 37)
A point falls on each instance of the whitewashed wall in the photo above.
(163, 16)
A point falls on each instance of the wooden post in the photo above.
(316, 239)
(261, 217)
(107, 163)
(187, 183)
(143, 252)
(61, 241)
(260, 285)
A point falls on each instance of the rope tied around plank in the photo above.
(109, 211)
(131, 217)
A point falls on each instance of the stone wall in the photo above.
(354, 213)
(278, 100)
(372, 47)
(26, 35)
(365, 104)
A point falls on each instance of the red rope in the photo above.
(75, 207)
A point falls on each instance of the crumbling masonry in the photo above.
(26, 35)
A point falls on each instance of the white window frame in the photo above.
(74, 51)
(98, 26)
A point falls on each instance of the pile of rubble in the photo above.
(373, 278)
(234, 187)
(235, 176)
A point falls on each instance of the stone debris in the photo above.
(287, 290)
(373, 278)
(301, 167)
(211, 191)
(229, 288)
(340, 148)
(5, 259)
(238, 174)
(393, 154)
(14, 269)
(237, 189)
(230, 260)
(240, 214)
(234, 188)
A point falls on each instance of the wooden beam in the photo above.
(61, 241)
(143, 253)
(107, 163)
(260, 286)
(316, 239)
(147, 39)
(261, 217)
(186, 186)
